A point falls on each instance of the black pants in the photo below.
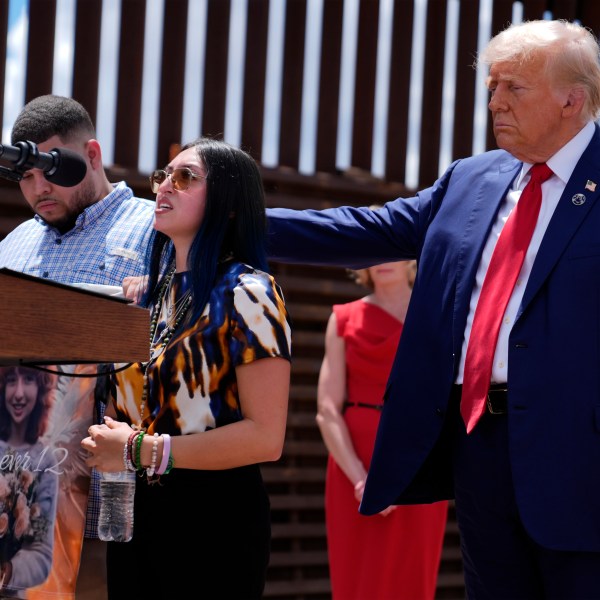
(501, 561)
(197, 534)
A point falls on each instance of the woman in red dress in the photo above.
(396, 554)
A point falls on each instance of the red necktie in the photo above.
(504, 268)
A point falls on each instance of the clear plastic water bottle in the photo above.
(117, 491)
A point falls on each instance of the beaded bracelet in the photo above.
(166, 452)
(125, 463)
(128, 453)
(138, 451)
(152, 468)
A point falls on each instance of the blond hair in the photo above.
(570, 53)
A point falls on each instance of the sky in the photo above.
(14, 91)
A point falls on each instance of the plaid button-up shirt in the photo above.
(107, 244)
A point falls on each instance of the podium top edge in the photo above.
(64, 286)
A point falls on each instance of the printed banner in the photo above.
(44, 481)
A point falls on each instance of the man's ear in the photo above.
(94, 153)
(574, 102)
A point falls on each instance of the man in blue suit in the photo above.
(526, 479)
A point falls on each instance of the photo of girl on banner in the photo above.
(28, 482)
(44, 481)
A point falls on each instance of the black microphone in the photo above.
(61, 166)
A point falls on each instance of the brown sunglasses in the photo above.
(181, 179)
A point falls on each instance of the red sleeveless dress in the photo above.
(375, 558)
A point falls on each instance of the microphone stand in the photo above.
(27, 155)
(10, 174)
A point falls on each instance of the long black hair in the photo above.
(234, 223)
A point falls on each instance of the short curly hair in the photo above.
(49, 115)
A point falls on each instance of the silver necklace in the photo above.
(158, 344)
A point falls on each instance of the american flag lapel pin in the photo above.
(590, 185)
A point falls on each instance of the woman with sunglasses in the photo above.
(210, 403)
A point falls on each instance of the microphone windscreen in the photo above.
(70, 168)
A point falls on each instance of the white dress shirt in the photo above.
(562, 164)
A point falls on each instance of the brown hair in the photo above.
(38, 420)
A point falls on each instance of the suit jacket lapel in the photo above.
(572, 209)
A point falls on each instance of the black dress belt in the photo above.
(364, 405)
(497, 398)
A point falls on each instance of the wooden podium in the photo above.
(44, 322)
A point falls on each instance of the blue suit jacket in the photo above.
(554, 349)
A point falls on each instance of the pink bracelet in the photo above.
(165, 454)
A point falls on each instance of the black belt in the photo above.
(364, 405)
(497, 398)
